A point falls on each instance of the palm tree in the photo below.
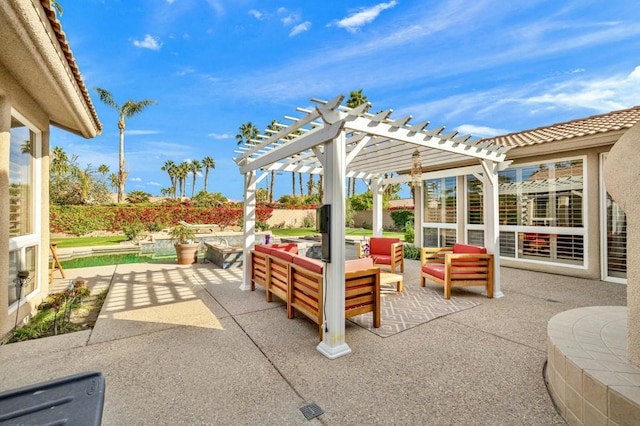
(194, 167)
(207, 163)
(103, 169)
(169, 167)
(273, 127)
(182, 170)
(356, 98)
(59, 162)
(126, 110)
(56, 5)
(248, 132)
(113, 181)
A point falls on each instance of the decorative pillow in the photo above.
(365, 250)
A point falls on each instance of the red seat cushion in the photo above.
(358, 264)
(434, 269)
(381, 259)
(313, 265)
(381, 245)
(466, 248)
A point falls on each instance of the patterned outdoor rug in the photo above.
(412, 307)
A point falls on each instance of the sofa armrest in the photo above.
(433, 254)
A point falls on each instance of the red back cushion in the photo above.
(264, 248)
(284, 255)
(358, 264)
(381, 245)
(466, 248)
(288, 247)
(313, 265)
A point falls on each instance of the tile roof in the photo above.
(603, 123)
(68, 54)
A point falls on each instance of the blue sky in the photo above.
(485, 67)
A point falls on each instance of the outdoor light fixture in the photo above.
(416, 167)
(21, 279)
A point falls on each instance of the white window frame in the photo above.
(442, 225)
(604, 266)
(22, 242)
(583, 231)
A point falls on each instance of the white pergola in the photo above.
(340, 142)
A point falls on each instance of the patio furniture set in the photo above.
(298, 280)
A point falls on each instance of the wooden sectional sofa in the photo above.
(460, 265)
(298, 281)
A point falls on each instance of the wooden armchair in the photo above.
(385, 251)
(461, 265)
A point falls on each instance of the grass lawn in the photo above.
(299, 232)
(69, 242)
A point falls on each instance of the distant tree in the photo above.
(127, 110)
(208, 199)
(169, 167)
(69, 183)
(273, 128)
(208, 163)
(182, 170)
(247, 132)
(113, 181)
(56, 5)
(356, 98)
(137, 197)
(194, 167)
(103, 169)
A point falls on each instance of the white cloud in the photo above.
(184, 71)
(256, 14)
(480, 131)
(135, 180)
(149, 42)
(220, 135)
(290, 19)
(141, 132)
(600, 94)
(154, 184)
(353, 22)
(300, 28)
(217, 6)
(170, 1)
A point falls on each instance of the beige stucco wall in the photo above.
(622, 181)
(291, 218)
(360, 218)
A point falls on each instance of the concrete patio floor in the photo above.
(183, 345)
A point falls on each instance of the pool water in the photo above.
(114, 259)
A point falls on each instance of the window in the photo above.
(24, 190)
(541, 212)
(21, 220)
(440, 212)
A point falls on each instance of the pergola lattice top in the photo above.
(375, 143)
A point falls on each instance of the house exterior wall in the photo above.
(13, 96)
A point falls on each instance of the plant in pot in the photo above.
(186, 249)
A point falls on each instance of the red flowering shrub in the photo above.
(81, 220)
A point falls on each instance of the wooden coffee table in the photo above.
(390, 278)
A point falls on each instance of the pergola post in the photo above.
(376, 191)
(492, 219)
(249, 230)
(333, 343)
(418, 214)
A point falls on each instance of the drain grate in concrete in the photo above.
(311, 411)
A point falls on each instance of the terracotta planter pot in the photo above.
(187, 253)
